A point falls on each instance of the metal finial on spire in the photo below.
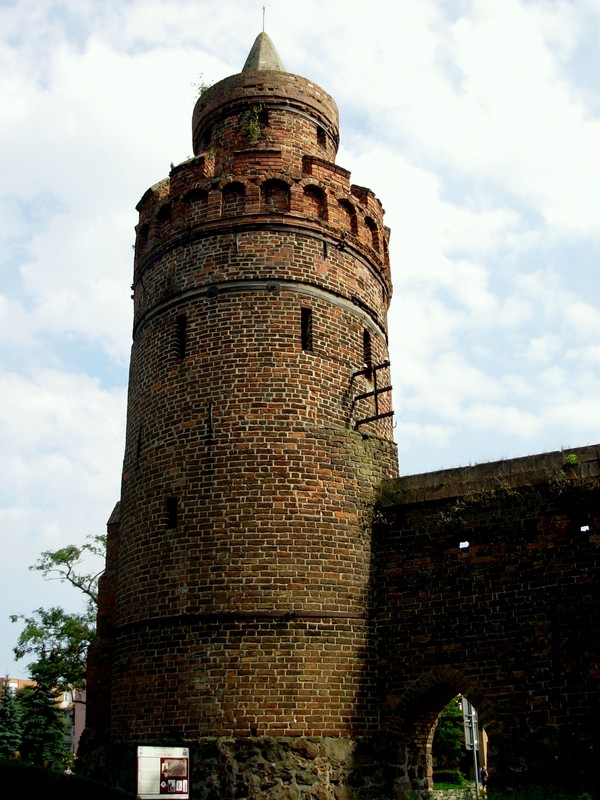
(263, 19)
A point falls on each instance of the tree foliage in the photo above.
(43, 732)
(449, 738)
(58, 640)
(65, 564)
(10, 723)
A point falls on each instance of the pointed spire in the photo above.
(263, 56)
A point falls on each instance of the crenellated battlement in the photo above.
(348, 216)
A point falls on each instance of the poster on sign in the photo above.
(163, 772)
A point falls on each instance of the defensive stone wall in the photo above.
(487, 582)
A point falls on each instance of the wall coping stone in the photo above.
(512, 473)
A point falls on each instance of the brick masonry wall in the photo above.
(290, 106)
(249, 675)
(511, 620)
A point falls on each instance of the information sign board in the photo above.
(163, 772)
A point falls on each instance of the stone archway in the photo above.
(414, 721)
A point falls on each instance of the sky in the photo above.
(476, 123)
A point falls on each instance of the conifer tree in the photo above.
(10, 722)
(43, 734)
(449, 738)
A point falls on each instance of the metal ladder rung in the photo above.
(372, 394)
(372, 419)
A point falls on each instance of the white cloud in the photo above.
(504, 420)
(62, 442)
(489, 95)
(543, 349)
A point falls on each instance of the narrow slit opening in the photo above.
(306, 329)
(138, 444)
(171, 511)
(181, 336)
(367, 354)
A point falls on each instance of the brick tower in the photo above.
(235, 608)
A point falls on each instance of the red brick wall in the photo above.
(512, 621)
(292, 110)
(243, 676)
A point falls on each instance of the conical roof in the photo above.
(263, 56)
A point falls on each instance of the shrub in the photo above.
(452, 777)
(24, 780)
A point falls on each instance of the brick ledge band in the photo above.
(235, 227)
(237, 616)
(352, 305)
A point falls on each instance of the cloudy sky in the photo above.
(476, 122)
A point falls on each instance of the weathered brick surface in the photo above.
(512, 621)
(246, 675)
(300, 117)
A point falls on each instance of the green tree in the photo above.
(59, 640)
(65, 564)
(43, 734)
(449, 739)
(10, 723)
(59, 643)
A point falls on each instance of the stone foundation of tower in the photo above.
(267, 767)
